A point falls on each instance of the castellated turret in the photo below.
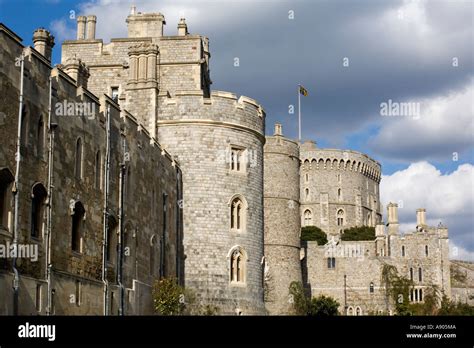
(339, 189)
(282, 221)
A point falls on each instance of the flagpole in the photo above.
(299, 114)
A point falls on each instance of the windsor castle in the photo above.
(120, 167)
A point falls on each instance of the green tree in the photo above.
(323, 306)
(314, 233)
(359, 233)
(398, 288)
(168, 297)
(298, 298)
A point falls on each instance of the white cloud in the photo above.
(445, 125)
(448, 198)
(62, 31)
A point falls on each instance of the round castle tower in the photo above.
(218, 142)
(282, 221)
(339, 189)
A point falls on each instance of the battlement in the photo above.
(221, 108)
(279, 144)
(346, 160)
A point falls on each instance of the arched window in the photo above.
(331, 262)
(339, 194)
(238, 260)
(154, 258)
(421, 295)
(306, 193)
(40, 139)
(236, 159)
(340, 217)
(25, 125)
(6, 181)
(77, 227)
(308, 218)
(411, 273)
(371, 288)
(403, 251)
(78, 159)
(350, 310)
(238, 209)
(420, 275)
(38, 196)
(358, 311)
(98, 171)
(111, 252)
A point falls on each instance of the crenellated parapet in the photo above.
(220, 109)
(341, 160)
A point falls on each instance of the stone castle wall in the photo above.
(77, 275)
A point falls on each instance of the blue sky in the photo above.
(405, 51)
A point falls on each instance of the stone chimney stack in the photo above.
(81, 27)
(43, 42)
(182, 27)
(75, 68)
(421, 217)
(278, 129)
(91, 22)
(145, 24)
(392, 223)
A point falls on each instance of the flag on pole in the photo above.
(303, 91)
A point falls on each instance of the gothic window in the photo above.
(77, 227)
(236, 159)
(358, 311)
(238, 214)
(420, 274)
(40, 139)
(78, 159)
(350, 310)
(238, 261)
(411, 273)
(153, 254)
(331, 262)
(6, 181)
(38, 198)
(111, 240)
(24, 128)
(340, 217)
(98, 171)
(308, 218)
(371, 288)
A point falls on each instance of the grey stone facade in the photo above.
(282, 221)
(149, 226)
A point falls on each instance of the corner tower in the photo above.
(282, 221)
